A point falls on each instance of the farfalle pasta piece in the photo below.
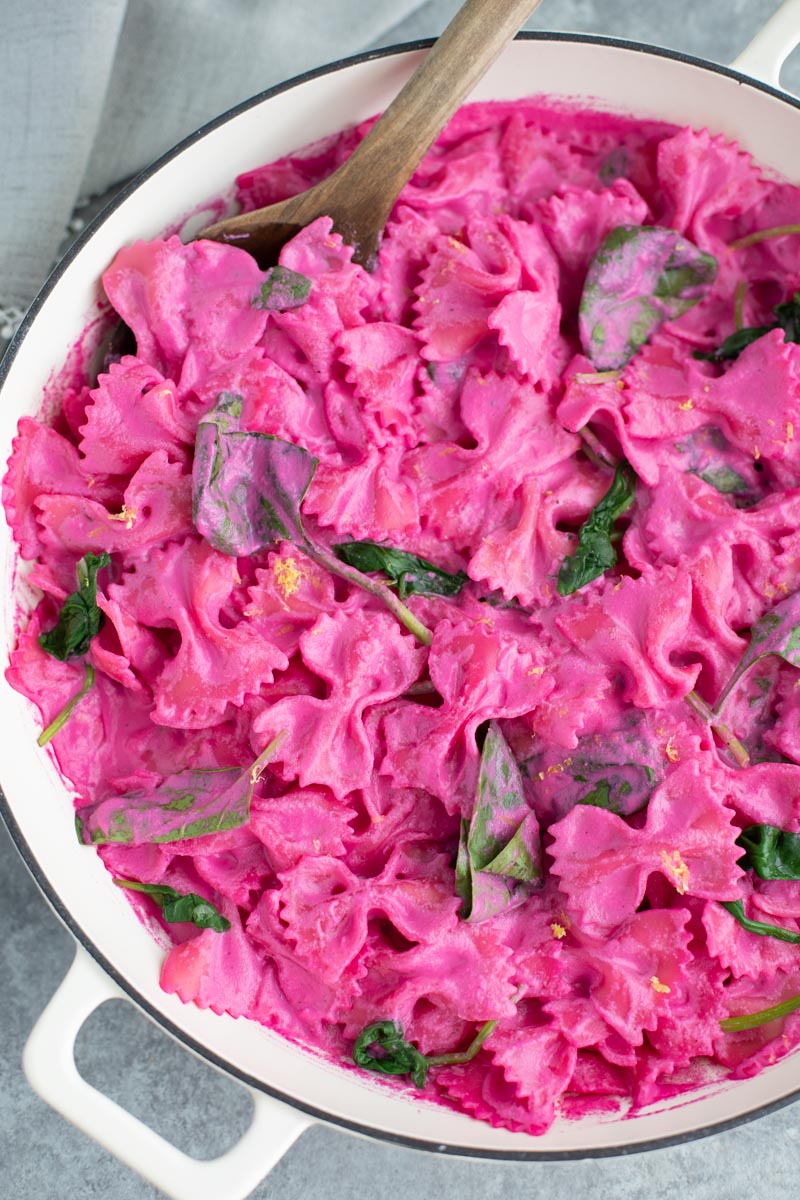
(635, 628)
(522, 556)
(189, 306)
(575, 222)
(133, 411)
(465, 490)
(461, 286)
(369, 499)
(290, 594)
(704, 179)
(481, 675)
(325, 907)
(220, 973)
(43, 463)
(156, 509)
(603, 864)
(185, 588)
(382, 360)
(300, 824)
(365, 660)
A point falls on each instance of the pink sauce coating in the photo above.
(443, 396)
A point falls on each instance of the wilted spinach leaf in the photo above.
(736, 909)
(771, 852)
(777, 632)
(187, 805)
(787, 318)
(411, 574)
(499, 854)
(247, 488)
(640, 277)
(596, 553)
(79, 619)
(398, 1057)
(282, 289)
(180, 907)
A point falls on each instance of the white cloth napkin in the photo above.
(93, 90)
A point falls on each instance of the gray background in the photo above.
(118, 1051)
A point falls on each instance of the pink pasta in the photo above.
(260, 729)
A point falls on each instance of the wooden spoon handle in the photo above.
(390, 153)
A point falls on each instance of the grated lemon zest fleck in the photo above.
(658, 986)
(677, 870)
(287, 576)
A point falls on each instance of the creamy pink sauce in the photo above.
(443, 396)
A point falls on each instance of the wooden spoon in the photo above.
(360, 194)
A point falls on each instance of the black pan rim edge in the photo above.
(15, 832)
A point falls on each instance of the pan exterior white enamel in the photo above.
(609, 75)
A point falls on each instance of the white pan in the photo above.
(116, 956)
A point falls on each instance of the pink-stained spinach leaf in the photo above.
(777, 632)
(187, 805)
(282, 289)
(640, 277)
(617, 770)
(499, 853)
(247, 488)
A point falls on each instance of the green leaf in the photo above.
(247, 488)
(190, 804)
(771, 852)
(787, 318)
(726, 481)
(396, 1057)
(399, 1057)
(499, 855)
(640, 277)
(411, 574)
(282, 289)
(736, 909)
(79, 619)
(177, 907)
(596, 553)
(762, 1017)
(778, 632)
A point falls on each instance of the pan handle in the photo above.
(772, 45)
(49, 1064)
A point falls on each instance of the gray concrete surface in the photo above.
(43, 1158)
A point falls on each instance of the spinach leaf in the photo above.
(399, 1057)
(762, 1017)
(777, 632)
(177, 907)
(187, 805)
(499, 854)
(247, 489)
(282, 289)
(787, 318)
(596, 553)
(736, 909)
(640, 277)
(771, 852)
(411, 574)
(726, 481)
(79, 619)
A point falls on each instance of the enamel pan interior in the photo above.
(613, 75)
